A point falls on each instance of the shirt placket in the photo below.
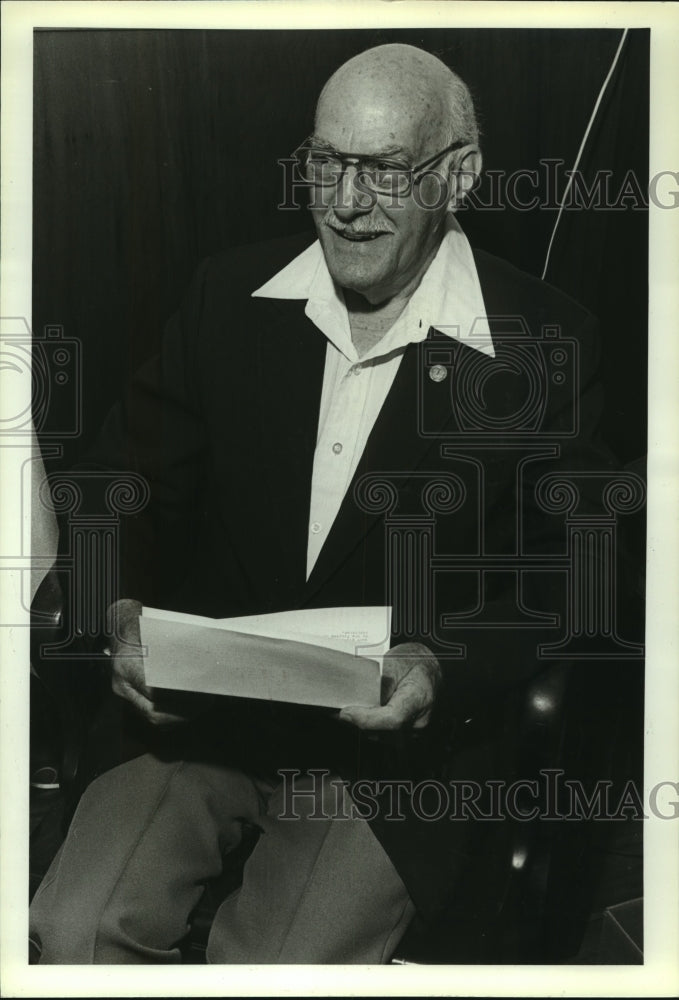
(336, 450)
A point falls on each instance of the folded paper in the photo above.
(323, 656)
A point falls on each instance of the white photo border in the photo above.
(659, 975)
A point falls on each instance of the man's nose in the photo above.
(352, 195)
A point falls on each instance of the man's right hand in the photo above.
(128, 680)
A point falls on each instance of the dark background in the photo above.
(156, 148)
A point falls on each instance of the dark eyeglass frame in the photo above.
(347, 159)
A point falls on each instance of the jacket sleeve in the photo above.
(498, 657)
(157, 431)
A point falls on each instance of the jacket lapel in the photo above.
(290, 368)
(404, 441)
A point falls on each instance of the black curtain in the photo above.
(153, 149)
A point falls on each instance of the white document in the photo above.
(320, 656)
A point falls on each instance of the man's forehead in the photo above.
(385, 124)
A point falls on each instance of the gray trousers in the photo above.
(147, 835)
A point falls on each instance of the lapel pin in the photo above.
(437, 373)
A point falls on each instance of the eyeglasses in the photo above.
(325, 168)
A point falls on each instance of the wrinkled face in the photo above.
(379, 245)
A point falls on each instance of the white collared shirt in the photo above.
(448, 298)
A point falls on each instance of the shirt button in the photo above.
(315, 527)
(337, 447)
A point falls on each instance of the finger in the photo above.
(147, 709)
(137, 699)
(403, 709)
(383, 717)
(157, 718)
(128, 681)
(128, 670)
(410, 704)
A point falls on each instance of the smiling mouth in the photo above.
(357, 237)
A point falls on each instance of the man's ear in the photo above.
(464, 175)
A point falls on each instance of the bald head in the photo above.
(399, 106)
(414, 85)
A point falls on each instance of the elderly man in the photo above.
(290, 389)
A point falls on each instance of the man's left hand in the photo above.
(411, 677)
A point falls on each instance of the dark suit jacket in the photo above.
(441, 515)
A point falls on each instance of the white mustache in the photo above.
(360, 226)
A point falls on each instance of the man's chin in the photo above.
(364, 285)
(355, 275)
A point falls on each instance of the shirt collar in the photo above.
(448, 298)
